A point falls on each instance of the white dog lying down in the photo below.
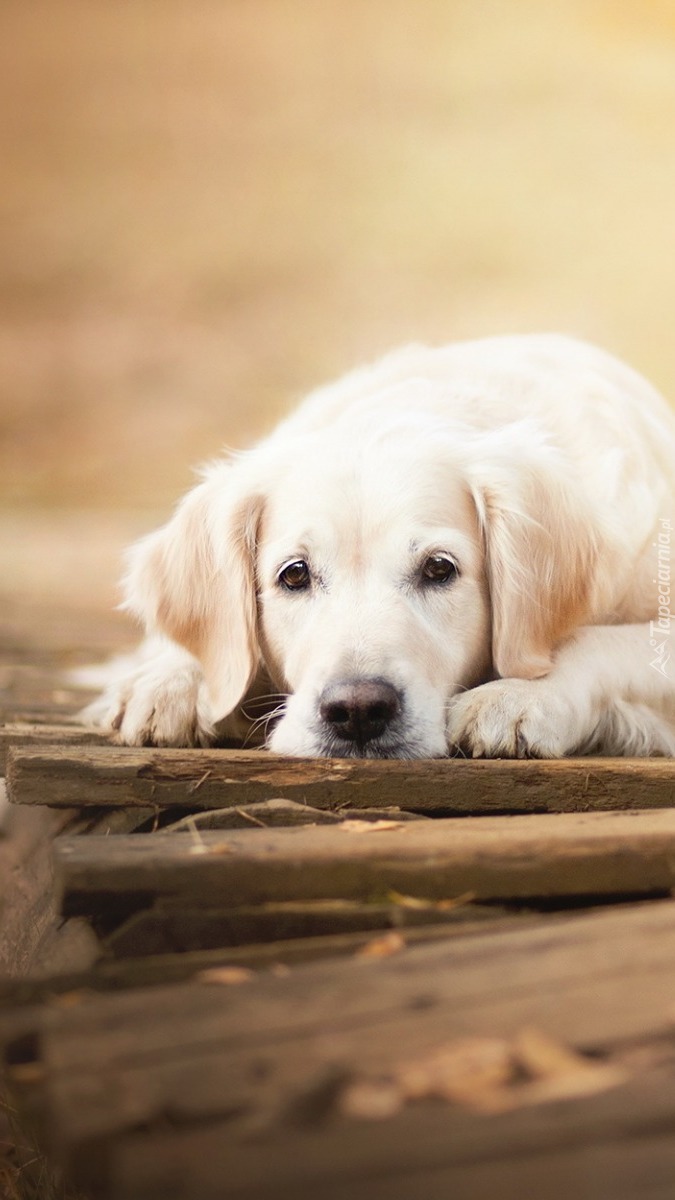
(461, 548)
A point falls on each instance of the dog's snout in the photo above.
(359, 710)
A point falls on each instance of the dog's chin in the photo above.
(321, 744)
(378, 748)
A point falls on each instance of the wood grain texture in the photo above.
(489, 858)
(598, 1148)
(24, 733)
(261, 1064)
(202, 779)
(27, 905)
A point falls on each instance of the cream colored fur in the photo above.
(541, 466)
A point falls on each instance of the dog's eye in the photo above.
(439, 568)
(295, 576)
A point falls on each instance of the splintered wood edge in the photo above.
(63, 775)
(27, 733)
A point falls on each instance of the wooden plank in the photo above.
(489, 858)
(109, 775)
(275, 1052)
(617, 1145)
(4, 807)
(27, 906)
(26, 733)
(622, 960)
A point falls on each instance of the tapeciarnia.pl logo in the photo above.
(659, 630)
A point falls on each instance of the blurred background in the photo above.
(210, 206)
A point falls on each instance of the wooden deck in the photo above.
(226, 975)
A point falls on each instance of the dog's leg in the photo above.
(156, 697)
(611, 691)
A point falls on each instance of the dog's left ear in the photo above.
(541, 544)
(194, 581)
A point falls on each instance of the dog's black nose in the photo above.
(359, 710)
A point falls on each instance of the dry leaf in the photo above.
(421, 903)
(280, 970)
(462, 1067)
(486, 1074)
(69, 999)
(495, 1075)
(586, 1082)
(558, 1072)
(225, 975)
(545, 1058)
(382, 947)
(372, 1100)
(356, 826)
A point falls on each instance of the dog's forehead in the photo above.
(366, 495)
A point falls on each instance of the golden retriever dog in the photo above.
(464, 549)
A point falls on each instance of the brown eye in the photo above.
(295, 576)
(439, 568)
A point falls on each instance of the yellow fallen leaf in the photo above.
(382, 947)
(70, 999)
(589, 1081)
(496, 1075)
(371, 1100)
(224, 975)
(356, 826)
(421, 902)
(543, 1057)
(463, 1066)
(485, 1074)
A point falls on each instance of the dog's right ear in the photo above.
(194, 581)
(542, 547)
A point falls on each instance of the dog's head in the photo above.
(371, 581)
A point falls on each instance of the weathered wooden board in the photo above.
(4, 807)
(617, 1145)
(621, 960)
(109, 775)
(27, 905)
(214, 1090)
(24, 733)
(264, 1063)
(488, 858)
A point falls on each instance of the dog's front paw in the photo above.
(514, 718)
(155, 707)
